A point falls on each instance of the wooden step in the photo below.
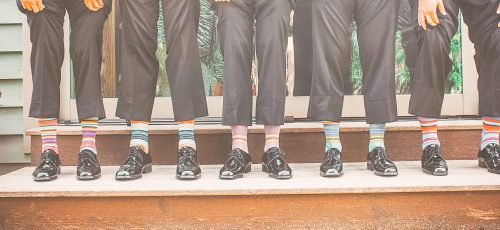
(468, 198)
(303, 142)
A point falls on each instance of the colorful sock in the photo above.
(429, 127)
(48, 131)
(186, 134)
(140, 135)
(491, 131)
(376, 136)
(272, 133)
(89, 130)
(239, 135)
(332, 134)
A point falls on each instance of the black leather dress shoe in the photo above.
(489, 158)
(238, 162)
(49, 168)
(137, 163)
(380, 164)
(188, 167)
(88, 167)
(432, 161)
(275, 165)
(332, 164)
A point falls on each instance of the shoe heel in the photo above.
(369, 166)
(481, 163)
(264, 168)
(248, 168)
(147, 169)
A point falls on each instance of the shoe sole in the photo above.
(188, 177)
(369, 166)
(279, 177)
(434, 173)
(248, 169)
(88, 177)
(482, 164)
(48, 178)
(331, 174)
(145, 170)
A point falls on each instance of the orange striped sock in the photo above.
(89, 131)
(491, 131)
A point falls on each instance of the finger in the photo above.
(28, 5)
(441, 8)
(430, 21)
(24, 5)
(421, 21)
(435, 18)
(40, 6)
(35, 7)
(100, 2)
(498, 10)
(90, 6)
(96, 5)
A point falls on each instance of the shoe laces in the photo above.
(186, 154)
(87, 158)
(134, 156)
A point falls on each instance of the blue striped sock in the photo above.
(186, 134)
(140, 135)
(377, 132)
(332, 134)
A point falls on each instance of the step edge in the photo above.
(256, 192)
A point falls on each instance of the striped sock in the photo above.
(239, 135)
(140, 135)
(48, 131)
(376, 136)
(186, 134)
(332, 134)
(491, 131)
(89, 130)
(272, 133)
(429, 127)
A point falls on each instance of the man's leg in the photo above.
(377, 25)
(236, 41)
(433, 66)
(86, 54)
(482, 19)
(139, 73)
(183, 64)
(272, 21)
(47, 54)
(331, 39)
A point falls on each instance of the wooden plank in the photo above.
(108, 71)
(9, 13)
(12, 150)
(11, 121)
(11, 65)
(464, 176)
(442, 210)
(11, 93)
(299, 127)
(12, 35)
(299, 147)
